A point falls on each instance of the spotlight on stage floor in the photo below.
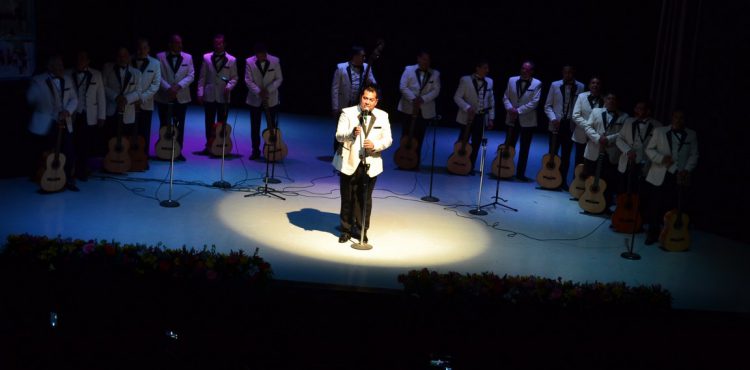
(405, 234)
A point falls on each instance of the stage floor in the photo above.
(547, 236)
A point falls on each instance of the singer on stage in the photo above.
(355, 123)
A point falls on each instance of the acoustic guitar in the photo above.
(627, 216)
(459, 162)
(221, 142)
(53, 178)
(578, 186)
(592, 200)
(674, 236)
(549, 176)
(406, 156)
(168, 132)
(138, 155)
(274, 148)
(503, 166)
(118, 158)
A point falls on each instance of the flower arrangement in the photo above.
(532, 291)
(201, 264)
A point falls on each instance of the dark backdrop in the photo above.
(616, 41)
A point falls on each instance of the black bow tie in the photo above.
(679, 132)
(141, 59)
(172, 56)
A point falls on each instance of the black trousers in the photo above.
(420, 126)
(609, 174)
(256, 114)
(179, 111)
(143, 124)
(526, 134)
(84, 137)
(45, 144)
(580, 149)
(565, 145)
(352, 198)
(214, 112)
(475, 137)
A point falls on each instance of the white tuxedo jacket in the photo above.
(210, 83)
(150, 81)
(581, 112)
(48, 101)
(255, 80)
(410, 90)
(685, 158)
(595, 128)
(466, 97)
(341, 88)
(553, 107)
(131, 91)
(347, 159)
(626, 141)
(184, 76)
(90, 95)
(525, 103)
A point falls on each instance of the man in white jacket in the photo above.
(53, 98)
(420, 86)
(559, 109)
(521, 99)
(150, 69)
(364, 132)
(90, 112)
(218, 77)
(673, 152)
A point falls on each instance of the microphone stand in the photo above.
(495, 202)
(362, 245)
(221, 183)
(430, 198)
(629, 254)
(265, 190)
(170, 203)
(479, 211)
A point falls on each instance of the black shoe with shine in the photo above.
(72, 187)
(344, 237)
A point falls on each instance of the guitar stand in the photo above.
(221, 183)
(430, 198)
(170, 203)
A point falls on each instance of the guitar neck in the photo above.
(599, 162)
(58, 143)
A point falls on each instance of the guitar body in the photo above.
(549, 176)
(674, 236)
(163, 146)
(578, 186)
(118, 158)
(592, 200)
(53, 178)
(406, 155)
(274, 148)
(626, 219)
(138, 157)
(459, 162)
(222, 139)
(504, 165)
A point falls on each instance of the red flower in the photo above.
(164, 265)
(88, 248)
(211, 275)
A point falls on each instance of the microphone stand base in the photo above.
(478, 212)
(222, 184)
(361, 246)
(431, 199)
(169, 203)
(272, 180)
(630, 256)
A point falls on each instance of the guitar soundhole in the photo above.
(594, 189)
(550, 165)
(461, 152)
(56, 164)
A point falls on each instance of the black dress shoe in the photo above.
(564, 187)
(180, 158)
(651, 239)
(254, 156)
(344, 237)
(72, 187)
